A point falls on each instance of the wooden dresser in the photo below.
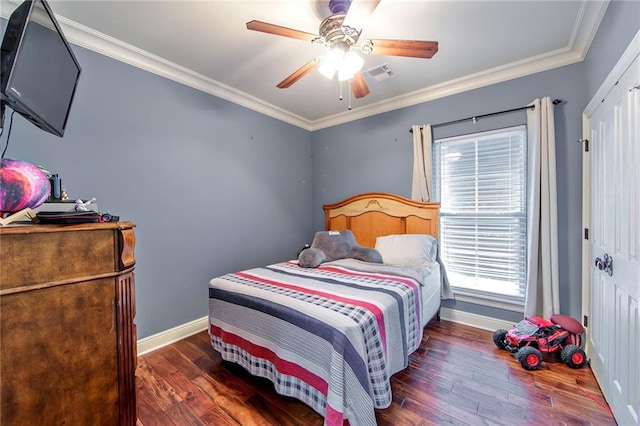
(68, 340)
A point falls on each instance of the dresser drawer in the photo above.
(42, 258)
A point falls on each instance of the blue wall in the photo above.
(212, 187)
(618, 27)
(376, 154)
(174, 160)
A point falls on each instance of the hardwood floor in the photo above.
(456, 377)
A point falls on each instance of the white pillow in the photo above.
(407, 249)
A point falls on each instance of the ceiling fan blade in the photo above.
(359, 86)
(298, 74)
(358, 13)
(410, 48)
(265, 27)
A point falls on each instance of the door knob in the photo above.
(605, 264)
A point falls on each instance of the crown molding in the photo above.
(589, 17)
(628, 56)
(488, 77)
(586, 26)
(108, 46)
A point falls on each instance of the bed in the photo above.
(333, 335)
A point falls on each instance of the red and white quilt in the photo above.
(330, 336)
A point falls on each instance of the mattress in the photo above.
(431, 294)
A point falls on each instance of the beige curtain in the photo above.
(542, 292)
(421, 188)
(421, 184)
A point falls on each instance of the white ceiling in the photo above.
(205, 44)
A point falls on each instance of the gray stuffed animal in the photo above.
(333, 245)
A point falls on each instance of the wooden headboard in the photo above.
(374, 214)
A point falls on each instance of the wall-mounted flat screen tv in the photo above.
(39, 70)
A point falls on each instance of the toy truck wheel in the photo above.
(530, 358)
(573, 356)
(498, 338)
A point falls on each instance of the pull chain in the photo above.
(341, 97)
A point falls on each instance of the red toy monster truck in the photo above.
(532, 337)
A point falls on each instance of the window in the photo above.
(480, 181)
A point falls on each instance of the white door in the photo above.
(613, 203)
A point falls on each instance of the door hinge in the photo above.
(586, 233)
(585, 321)
(585, 143)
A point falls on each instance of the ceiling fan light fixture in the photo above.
(333, 60)
(351, 64)
(326, 70)
(339, 59)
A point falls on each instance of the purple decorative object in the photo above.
(22, 185)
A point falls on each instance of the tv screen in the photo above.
(39, 70)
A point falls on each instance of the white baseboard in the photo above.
(474, 320)
(183, 331)
(172, 335)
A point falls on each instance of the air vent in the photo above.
(380, 73)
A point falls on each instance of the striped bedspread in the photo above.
(330, 336)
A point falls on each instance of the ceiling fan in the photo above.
(340, 32)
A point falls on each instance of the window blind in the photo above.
(480, 181)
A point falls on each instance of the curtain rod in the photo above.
(475, 117)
